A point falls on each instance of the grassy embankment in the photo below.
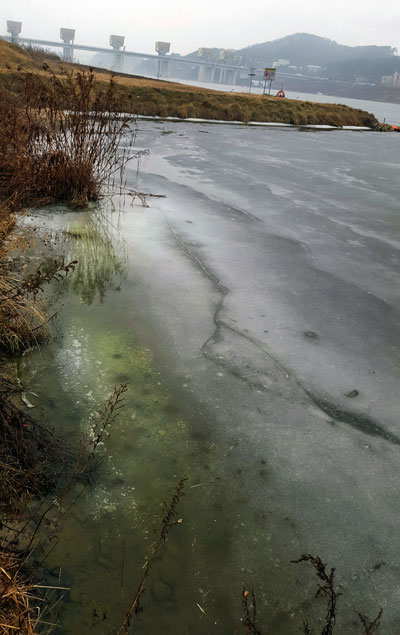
(167, 99)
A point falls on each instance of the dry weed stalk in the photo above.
(370, 627)
(168, 521)
(250, 613)
(80, 469)
(104, 419)
(327, 589)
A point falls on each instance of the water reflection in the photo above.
(89, 239)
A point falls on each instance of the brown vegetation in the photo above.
(59, 141)
(16, 612)
(34, 464)
(59, 138)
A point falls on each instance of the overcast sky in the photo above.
(188, 24)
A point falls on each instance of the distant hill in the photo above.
(312, 55)
(300, 53)
(303, 49)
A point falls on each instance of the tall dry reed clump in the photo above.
(59, 138)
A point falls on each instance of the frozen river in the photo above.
(255, 312)
(271, 273)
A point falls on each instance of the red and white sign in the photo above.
(269, 74)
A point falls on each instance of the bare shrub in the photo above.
(60, 138)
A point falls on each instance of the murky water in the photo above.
(103, 539)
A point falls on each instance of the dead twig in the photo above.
(326, 589)
(250, 612)
(370, 628)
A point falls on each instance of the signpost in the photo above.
(269, 76)
(252, 72)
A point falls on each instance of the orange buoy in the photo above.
(280, 93)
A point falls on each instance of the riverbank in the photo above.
(59, 141)
(151, 97)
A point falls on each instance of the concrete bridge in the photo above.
(224, 70)
(209, 70)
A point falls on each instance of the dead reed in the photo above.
(17, 612)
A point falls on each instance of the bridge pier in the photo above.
(14, 29)
(164, 62)
(207, 67)
(117, 42)
(164, 66)
(206, 73)
(230, 76)
(118, 62)
(68, 37)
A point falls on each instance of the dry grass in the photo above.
(21, 320)
(17, 612)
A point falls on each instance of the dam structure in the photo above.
(224, 69)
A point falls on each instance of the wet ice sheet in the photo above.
(276, 339)
(298, 235)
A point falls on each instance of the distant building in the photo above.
(314, 69)
(281, 62)
(391, 80)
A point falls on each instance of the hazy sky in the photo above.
(188, 24)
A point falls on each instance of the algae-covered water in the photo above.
(102, 539)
